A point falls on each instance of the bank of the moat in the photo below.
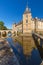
(13, 52)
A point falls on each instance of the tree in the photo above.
(1, 23)
(2, 27)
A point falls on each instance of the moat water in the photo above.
(33, 58)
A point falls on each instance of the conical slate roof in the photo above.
(27, 10)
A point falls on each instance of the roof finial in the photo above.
(27, 3)
(27, 9)
(27, 6)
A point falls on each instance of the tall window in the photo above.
(26, 26)
(26, 16)
(26, 21)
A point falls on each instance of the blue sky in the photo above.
(11, 11)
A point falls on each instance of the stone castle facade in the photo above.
(28, 24)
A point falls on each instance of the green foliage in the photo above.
(1, 23)
(2, 27)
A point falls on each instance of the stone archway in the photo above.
(4, 34)
(14, 33)
(9, 34)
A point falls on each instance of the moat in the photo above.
(20, 51)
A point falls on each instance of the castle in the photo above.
(28, 24)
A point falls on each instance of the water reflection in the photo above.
(19, 55)
(9, 34)
(31, 57)
(34, 59)
(28, 46)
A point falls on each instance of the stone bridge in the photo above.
(7, 31)
(38, 39)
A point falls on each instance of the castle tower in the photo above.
(27, 20)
